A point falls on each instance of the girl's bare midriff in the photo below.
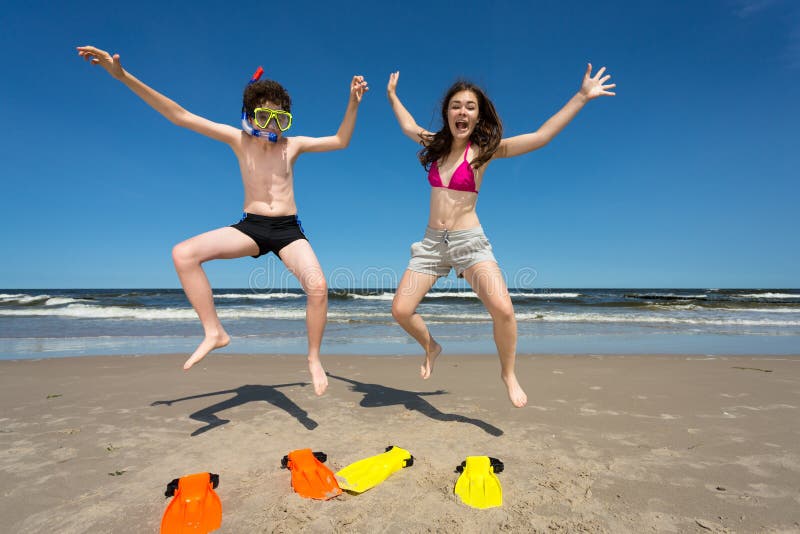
(453, 210)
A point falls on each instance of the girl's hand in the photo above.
(357, 88)
(391, 88)
(592, 86)
(102, 58)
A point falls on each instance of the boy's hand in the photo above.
(357, 88)
(102, 58)
(391, 88)
(592, 87)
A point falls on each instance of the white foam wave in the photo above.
(765, 310)
(384, 296)
(23, 299)
(85, 311)
(642, 318)
(725, 309)
(59, 301)
(771, 296)
(452, 294)
(547, 295)
(148, 314)
(666, 296)
(259, 296)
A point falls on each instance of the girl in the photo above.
(456, 158)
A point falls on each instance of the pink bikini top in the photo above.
(463, 178)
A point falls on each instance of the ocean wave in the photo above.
(719, 307)
(384, 296)
(60, 301)
(452, 294)
(665, 296)
(150, 314)
(763, 310)
(688, 316)
(22, 299)
(546, 295)
(652, 319)
(259, 296)
(770, 296)
(33, 300)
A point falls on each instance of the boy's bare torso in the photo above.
(267, 175)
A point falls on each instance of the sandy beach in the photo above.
(606, 444)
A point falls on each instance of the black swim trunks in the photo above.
(271, 234)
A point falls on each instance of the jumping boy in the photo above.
(266, 159)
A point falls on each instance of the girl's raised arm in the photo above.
(407, 122)
(169, 108)
(591, 88)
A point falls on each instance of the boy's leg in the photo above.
(188, 256)
(410, 292)
(487, 282)
(299, 258)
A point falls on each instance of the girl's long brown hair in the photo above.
(487, 133)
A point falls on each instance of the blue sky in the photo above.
(686, 179)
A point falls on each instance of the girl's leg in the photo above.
(487, 282)
(188, 256)
(300, 259)
(410, 291)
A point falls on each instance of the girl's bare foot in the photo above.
(433, 351)
(515, 393)
(318, 376)
(208, 344)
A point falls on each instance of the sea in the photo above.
(48, 323)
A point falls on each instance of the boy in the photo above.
(266, 159)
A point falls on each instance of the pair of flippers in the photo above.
(478, 485)
(195, 507)
(313, 480)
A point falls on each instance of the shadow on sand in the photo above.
(376, 396)
(245, 394)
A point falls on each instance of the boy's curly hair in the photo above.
(256, 93)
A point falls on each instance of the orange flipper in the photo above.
(195, 507)
(310, 478)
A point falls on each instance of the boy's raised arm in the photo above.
(358, 86)
(167, 107)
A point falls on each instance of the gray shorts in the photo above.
(441, 250)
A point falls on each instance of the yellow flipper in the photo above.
(478, 486)
(364, 474)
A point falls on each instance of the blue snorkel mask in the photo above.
(246, 126)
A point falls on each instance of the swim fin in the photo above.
(195, 508)
(478, 486)
(364, 474)
(310, 478)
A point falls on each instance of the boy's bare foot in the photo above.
(208, 344)
(515, 393)
(318, 376)
(434, 349)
